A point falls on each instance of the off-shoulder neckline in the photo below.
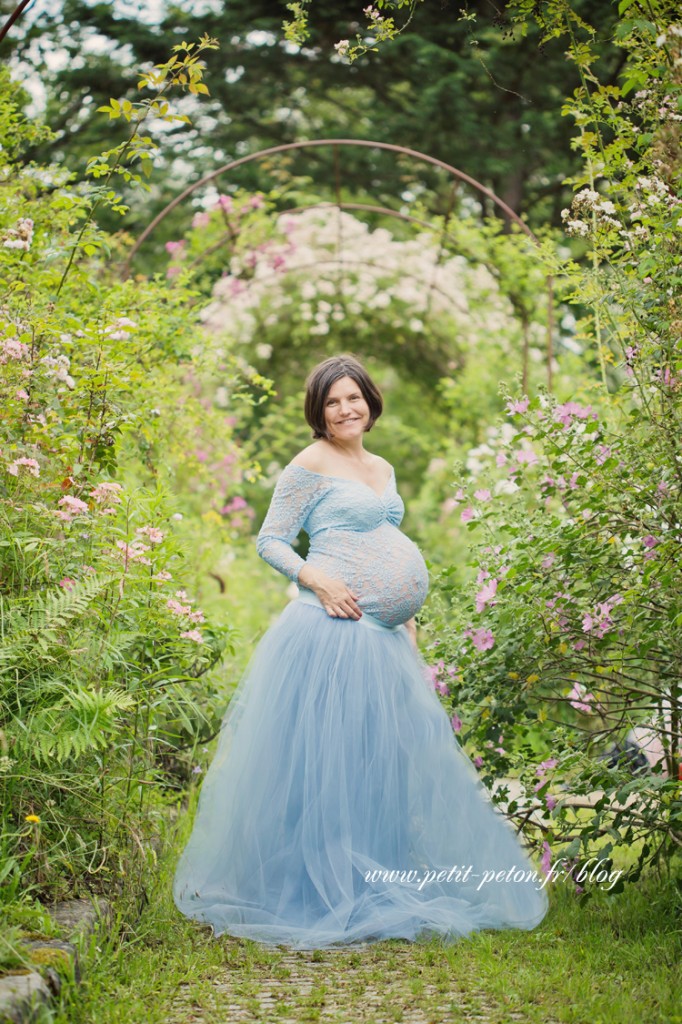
(347, 479)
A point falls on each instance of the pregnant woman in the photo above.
(339, 807)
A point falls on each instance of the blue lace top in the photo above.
(354, 537)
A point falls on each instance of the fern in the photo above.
(83, 720)
(32, 625)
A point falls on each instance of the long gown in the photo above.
(339, 807)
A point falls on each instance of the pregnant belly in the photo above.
(383, 567)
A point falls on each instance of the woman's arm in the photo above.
(294, 496)
(411, 627)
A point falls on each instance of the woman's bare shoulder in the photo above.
(309, 458)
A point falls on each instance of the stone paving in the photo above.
(331, 987)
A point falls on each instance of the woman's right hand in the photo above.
(336, 598)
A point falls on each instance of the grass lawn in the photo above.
(615, 959)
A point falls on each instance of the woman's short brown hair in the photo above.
(320, 380)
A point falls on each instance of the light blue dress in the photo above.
(339, 807)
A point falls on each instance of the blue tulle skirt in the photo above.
(339, 807)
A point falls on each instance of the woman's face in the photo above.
(346, 412)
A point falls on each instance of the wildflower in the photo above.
(478, 761)
(134, 551)
(201, 219)
(74, 506)
(580, 699)
(481, 638)
(19, 237)
(518, 406)
(197, 770)
(551, 802)
(546, 859)
(486, 594)
(152, 532)
(456, 722)
(106, 491)
(177, 608)
(234, 505)
(120, 328)
(483, 494)
(67, 583)
(31, 465)
(12, 348)
(342, 47)
(467, 514)
(565, 413)
(526, 455)
(175, 248)
(193, 634)
(33, 818)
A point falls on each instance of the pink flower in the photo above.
(192, 634)
(74, 506)
(67, 583)
(120, 328)
(580, 699)
(22, 395)
(234, 505)
(177, 608)
(152, 532)
(564, 413)
(485, 595)
(526, 455)
(478, 761)
(518, 406)
(31, 465)
(106, 491)
(483, 494)
(256, 202)
(649, 541)
(546, 860)
(501, 459)
(225, 203)
(13, 349)
(175, 248)
(201, 219)
(548, 561)
(456, 722)
(482, 639)
(551, 802)
(603, 453)
(467, 514)
(578, 645)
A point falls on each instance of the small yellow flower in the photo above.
(532, 679)
(563, 647)
(32, 817)
(513, 675)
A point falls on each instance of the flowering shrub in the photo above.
(105, 653)
(569, 641)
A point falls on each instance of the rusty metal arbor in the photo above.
(454, 172)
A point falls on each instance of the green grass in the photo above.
(614, 959)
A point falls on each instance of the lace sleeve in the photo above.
(293, 498)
